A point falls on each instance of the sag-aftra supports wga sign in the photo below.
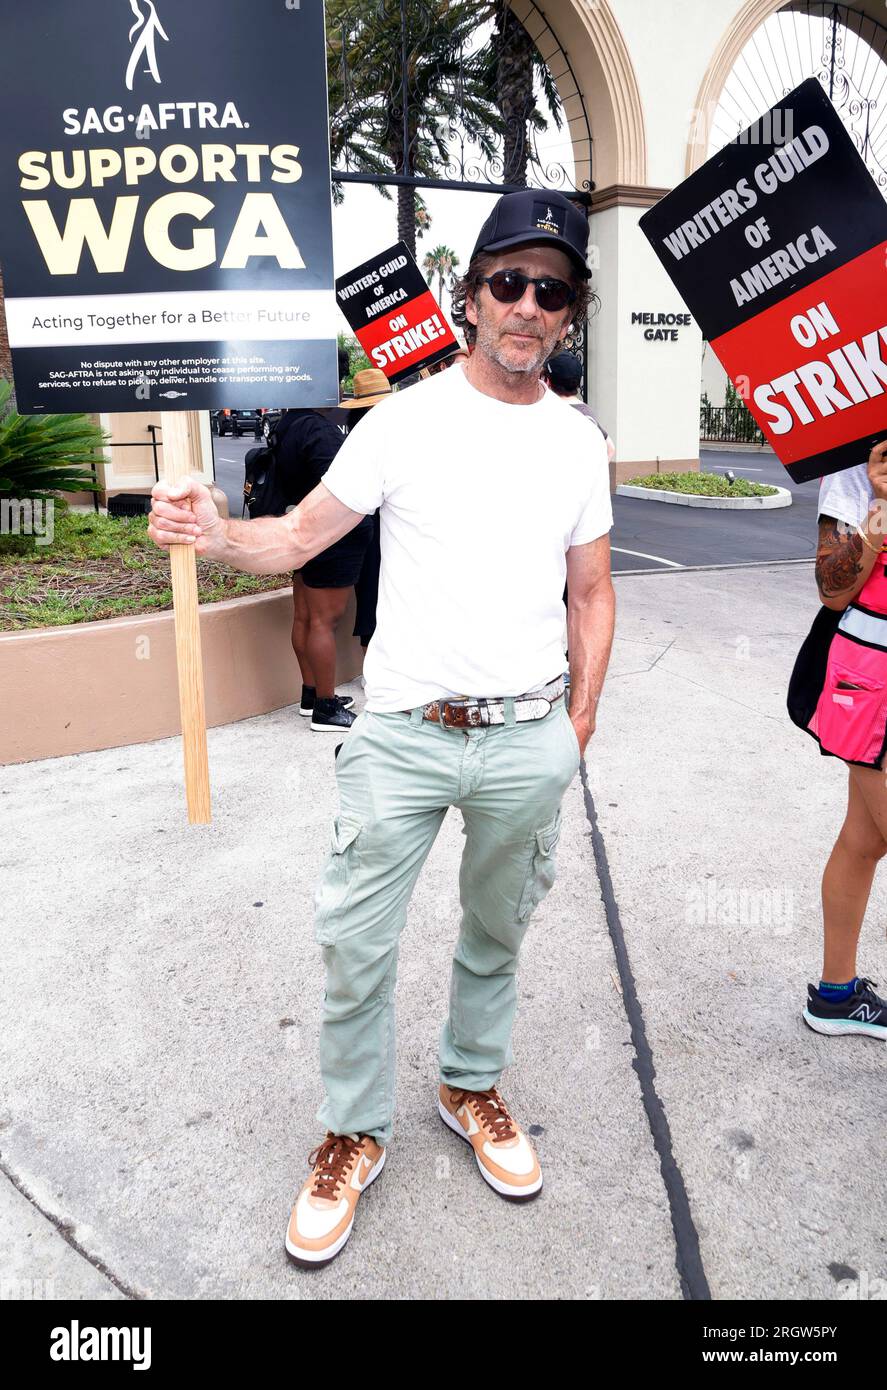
(167, 221)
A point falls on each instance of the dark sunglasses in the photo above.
(508, 286)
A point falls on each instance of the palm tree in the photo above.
(381, 51)
(370, 85)
(41, 455)
(442, 262)
(513, 65)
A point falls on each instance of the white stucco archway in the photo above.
(586, 52)
(648, 78)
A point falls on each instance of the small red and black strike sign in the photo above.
(396, 318)
(778, 247)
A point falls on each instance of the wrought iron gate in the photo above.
(842, 47)
(416, 103)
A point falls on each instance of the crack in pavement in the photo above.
(700, 685)
(688, 1256)
(644, 669)
(721, 696)
(67, 1235)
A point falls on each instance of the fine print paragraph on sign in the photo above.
(147, 375)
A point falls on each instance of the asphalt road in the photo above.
(656, 536)
(653, 536)
(228, 457)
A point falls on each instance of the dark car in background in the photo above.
(238, 422)
(269, 420)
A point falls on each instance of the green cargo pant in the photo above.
(397, 775)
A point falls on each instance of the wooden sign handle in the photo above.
(177, 427)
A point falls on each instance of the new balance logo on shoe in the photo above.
(866, 1013)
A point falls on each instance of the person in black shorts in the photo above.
(563, 372)
(307, 443)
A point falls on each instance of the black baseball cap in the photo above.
(531, 215)
(564, 371)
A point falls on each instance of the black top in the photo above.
(308, 443)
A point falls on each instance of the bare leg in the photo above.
(325, 609)
(847, 881)
(301, 624)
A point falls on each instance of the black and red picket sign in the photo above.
(396, 318)
(778, 246)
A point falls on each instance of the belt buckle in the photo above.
(443, 706)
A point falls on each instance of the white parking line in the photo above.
(643, 556)
(223, 458)
(742, 468)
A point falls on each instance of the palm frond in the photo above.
(41, 455)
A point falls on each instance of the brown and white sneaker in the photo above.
(344, 1166)
(504, 1154)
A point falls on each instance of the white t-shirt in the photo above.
(480, 501)
(846, 495)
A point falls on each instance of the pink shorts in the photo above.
(850, 719)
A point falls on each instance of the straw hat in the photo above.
(370, 387)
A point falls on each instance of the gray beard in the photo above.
(488, 344)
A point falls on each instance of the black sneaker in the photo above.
(330, 717)
(862, 1012)
(309, 695)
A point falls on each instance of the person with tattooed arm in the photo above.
(850, 722)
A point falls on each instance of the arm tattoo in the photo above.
(837, 559)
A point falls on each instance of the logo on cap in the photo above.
(548, 219)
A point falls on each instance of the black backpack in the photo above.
(262, 493)
(808, 673)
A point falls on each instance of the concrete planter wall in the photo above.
(102, 685)
(781, 498)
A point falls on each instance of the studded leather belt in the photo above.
(476, 712)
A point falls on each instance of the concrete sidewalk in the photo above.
(160, 993)
(718, 816)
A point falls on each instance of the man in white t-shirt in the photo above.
(491, 494)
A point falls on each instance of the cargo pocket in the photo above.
(542, 868)
(850, 718)
(337, 880)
